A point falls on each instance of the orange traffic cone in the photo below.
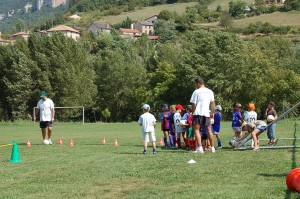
(28, 143)
(161, 142)
(104, 141)
(116, 142)
(71, 142)
(60, 141)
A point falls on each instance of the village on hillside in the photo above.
(137, 29)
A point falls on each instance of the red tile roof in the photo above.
(125, 30)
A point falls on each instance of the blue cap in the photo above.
(146, 107)
(218, 107)
(43, 94)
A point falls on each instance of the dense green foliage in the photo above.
(108, 72)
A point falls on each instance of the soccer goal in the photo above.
(67, 114)
(290, 142)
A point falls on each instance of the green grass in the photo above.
(135, 15)
(225, 4)
(92, 170)
(291, 18)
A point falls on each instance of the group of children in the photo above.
(175, 124)
(250, 125)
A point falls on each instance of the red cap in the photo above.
(178, 106)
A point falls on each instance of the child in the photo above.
(172, 131)
(271, 129)
(177, 125)
(165, 123)
(255, 128)
(185, 125)
(205, 142)
(237, 119)
(148, 123)
(216, 126)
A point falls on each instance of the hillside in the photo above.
(291, 18)
(224, 4)
(148, 12)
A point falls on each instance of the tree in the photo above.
(236, 8)
(225, 20)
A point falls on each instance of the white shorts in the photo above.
(149, 135)
(236, 129)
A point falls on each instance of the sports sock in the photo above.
(219, 143)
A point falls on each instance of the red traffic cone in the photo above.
(71, 142)
(28, 143)
(60, 141)
(104, 141)
(161, 142)
(116, 142)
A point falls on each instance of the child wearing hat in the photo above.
(216, 126)
(148, 123)
(165, 123)
(177, 124)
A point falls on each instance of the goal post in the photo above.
(66, 107)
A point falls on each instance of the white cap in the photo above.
(146, 107)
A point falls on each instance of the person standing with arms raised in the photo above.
(45, 107)
(202, 99)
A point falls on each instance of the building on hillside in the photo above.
(152, 19)
(42, 32)
(98, 27)
(129, 33)
(144, 27)
(66, 31)
(74, 16)
(4, 42)
(274, 1)
(25, 35)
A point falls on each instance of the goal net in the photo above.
(67, 114)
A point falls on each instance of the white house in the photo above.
(144, 27)
(65, 30)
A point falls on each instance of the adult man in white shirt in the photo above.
(202, 99)
(45, 107)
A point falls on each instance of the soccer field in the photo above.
(92, 170)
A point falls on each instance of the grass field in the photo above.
(92, 170)
(225, 4)
(138, 14)
(291, 18)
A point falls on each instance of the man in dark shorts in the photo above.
(45, 107)
(202, 99)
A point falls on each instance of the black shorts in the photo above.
(201, 120)
(45, 124)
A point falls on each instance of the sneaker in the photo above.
(199, 150)
(50, 141)
(212, 149)
(145, 152)
(219, 147)
(154, 151)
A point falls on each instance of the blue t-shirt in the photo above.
(185, 116)
(236, 117)
(170, 119)
(217, 122)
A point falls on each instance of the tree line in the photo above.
(112, 77)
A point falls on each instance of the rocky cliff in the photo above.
(50, 3)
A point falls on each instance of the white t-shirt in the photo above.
(250, 117)
(202, 97)
(177, 119)
(45, 108)
(147, 120)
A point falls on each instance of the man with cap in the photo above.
(45, 107)
(202, 99)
